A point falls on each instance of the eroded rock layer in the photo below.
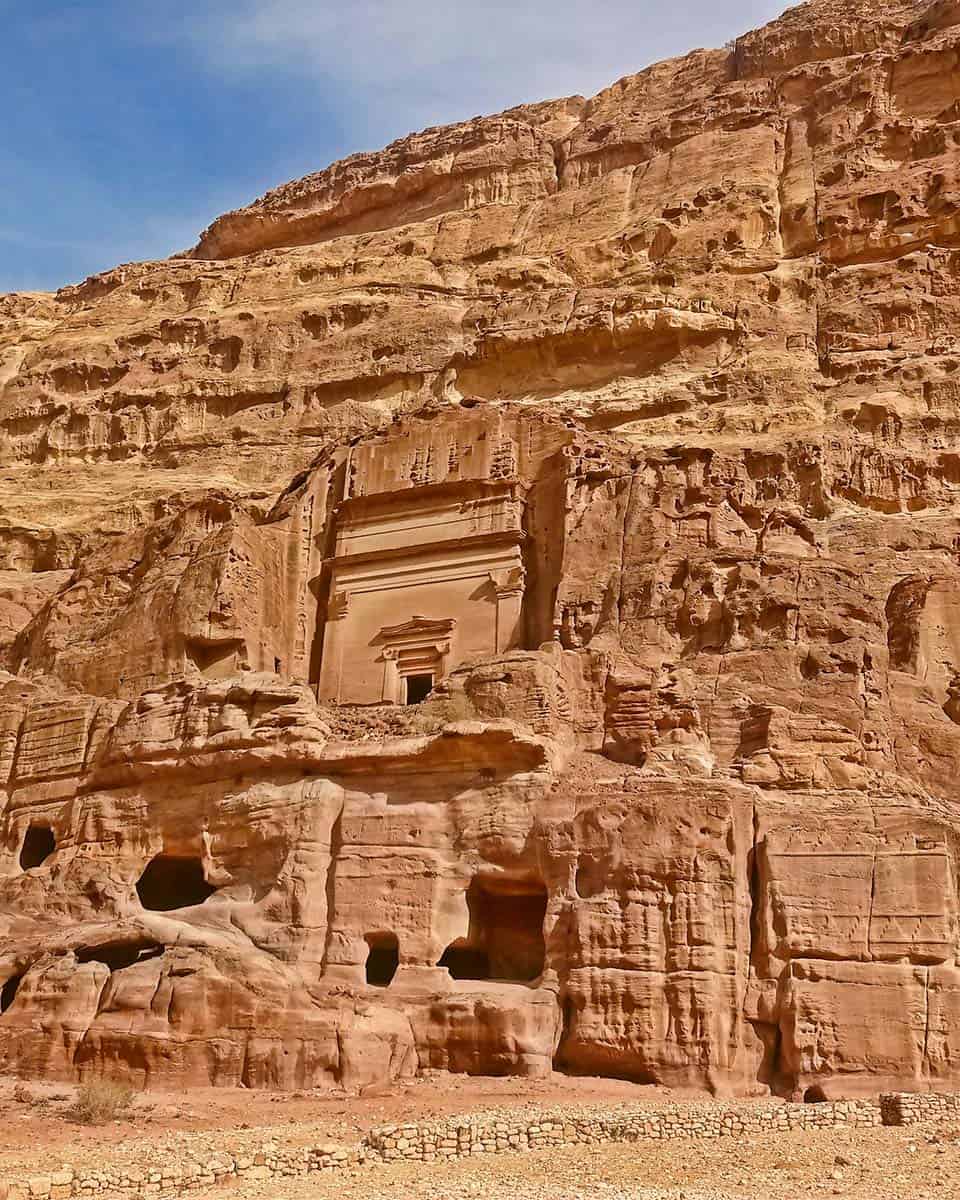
(493, 605)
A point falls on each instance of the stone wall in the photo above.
(459, 1137)
(910, 1108)
(269, 1162)
(479, 1133)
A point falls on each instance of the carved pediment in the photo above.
(417, 629)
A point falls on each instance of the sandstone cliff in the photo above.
(493, 604)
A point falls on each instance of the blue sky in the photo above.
(129, 125)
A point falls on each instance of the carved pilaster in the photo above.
(339, 606)
(333, 634)
(391, 675)
(508, 586)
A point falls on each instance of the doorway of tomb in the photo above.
(505, 941)
(417, 687)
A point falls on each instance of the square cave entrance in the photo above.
(383, 958)
(505, 940)
(417, 688)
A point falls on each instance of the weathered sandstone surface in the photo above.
(493, 604)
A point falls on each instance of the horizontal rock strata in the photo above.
(492, 605)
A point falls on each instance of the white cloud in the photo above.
(326, 76)
(410, 61)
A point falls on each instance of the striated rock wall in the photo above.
(492, 605)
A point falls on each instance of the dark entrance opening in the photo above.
(419, 688)
(216, 660)
(383, 958)
(119, 955)
(505, 941)
(170, 882)
(465, 963)
(590, 879)
(9, 991)
(38, 844)
(815, 1095)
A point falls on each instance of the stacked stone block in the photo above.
(911, 1108)
(485, 1133)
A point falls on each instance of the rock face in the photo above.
(495, 603)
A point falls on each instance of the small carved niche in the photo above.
(38, 844)
(383, 958)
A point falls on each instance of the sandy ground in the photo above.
(34, 1115)
(920, 1163)
(879, 1164)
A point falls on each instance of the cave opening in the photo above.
(215, 659)
(119, 955)
(170, 882)
(383, 958)
(505, 940)
(815, 1095)
(590, 879)
(418, 688)
(465, 962)
(8, 992)
(38, 844)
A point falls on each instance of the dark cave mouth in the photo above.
(383, 958)
(8, 993)
(39, 842)
(505, 942)
(117, 956)
(171, 881)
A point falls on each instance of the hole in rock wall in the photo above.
(38, 844)
(815, 1095)
(9, 991)
(465, 963)
(418, 688)
(383, 958)
(589, 881)
(505, 941)
(215, 660)
(170, 882)
(119, 955)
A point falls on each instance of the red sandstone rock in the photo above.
(508, 616)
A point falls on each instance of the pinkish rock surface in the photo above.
(494, 603)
